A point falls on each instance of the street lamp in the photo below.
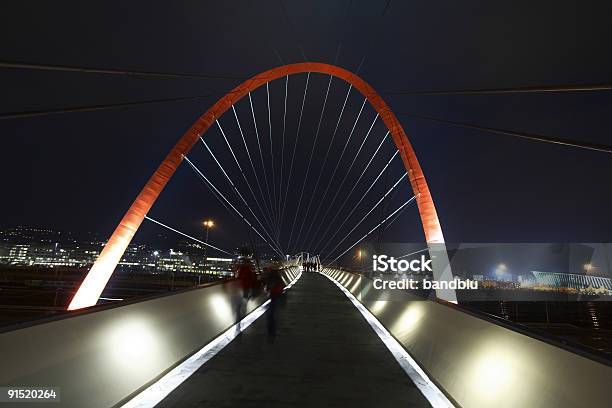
(501, 270)
(360, 256)
(208, 224)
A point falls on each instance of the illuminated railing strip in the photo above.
(421, 380)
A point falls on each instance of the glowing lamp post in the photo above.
(360, 256)
(208, 224)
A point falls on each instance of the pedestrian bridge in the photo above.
(339, 343)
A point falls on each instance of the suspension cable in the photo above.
(314, 145)
(297, 136)
(238, 191)
(322, 169)
(337, 163)
(368, 213)
(357, 183)
(510, 90)
(280, 186)
(198, 172)
(412, 253)
(220, 200)
(346, 174)
(246, 147)
(239, 166)
(384, 207)
(293, 29)
(90, 108)
(363, 196)
(108, 71)
(274, 200)
(354, 159)
(331, 179)
(394, 218)
(528, 136)
(188, 236)
(263, 165)
(372, 230)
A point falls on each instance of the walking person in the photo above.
(275, 287)
(247, 280)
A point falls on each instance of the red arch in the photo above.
(103, 268)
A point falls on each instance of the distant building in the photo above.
(4, 255)
(526, 279)
(35, 247)
(40, 254)
(176, 261)
(570, 280)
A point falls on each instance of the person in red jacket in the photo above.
(247, 280)
(247, 277)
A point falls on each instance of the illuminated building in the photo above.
(570, 280)
(43, 248)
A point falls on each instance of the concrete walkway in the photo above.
(325, 355)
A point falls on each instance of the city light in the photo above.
(501, 270)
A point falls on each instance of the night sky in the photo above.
(80, 171)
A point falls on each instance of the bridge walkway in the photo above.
(324, 355)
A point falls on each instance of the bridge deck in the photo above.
(324, 355)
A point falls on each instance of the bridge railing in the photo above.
(103, 355)
(479, 363)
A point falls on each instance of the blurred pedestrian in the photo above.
(247, 280)
(275, 287)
